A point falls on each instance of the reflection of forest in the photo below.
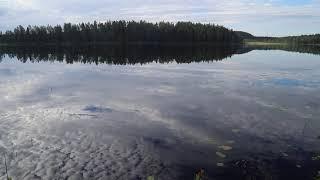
(120, 54)
(138, 54)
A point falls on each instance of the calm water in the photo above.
(110, 113)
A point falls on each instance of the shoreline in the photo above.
(261, 43)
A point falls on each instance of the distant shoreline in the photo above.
(262, 43)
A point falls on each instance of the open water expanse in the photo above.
(161, 113)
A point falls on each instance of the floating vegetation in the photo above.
(316, 158)
(235, 130)
(6, 167)
(200, 175)
(318, 176)
(282, 108)
(150, 178)
(225, 148)
(211, 141)
(220, 154)
(220, 164)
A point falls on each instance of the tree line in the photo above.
(303, 39)
(308, 49)
(121, 32)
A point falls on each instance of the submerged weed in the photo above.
(200, 175)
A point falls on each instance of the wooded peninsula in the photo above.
(122, 32)
(125, 32)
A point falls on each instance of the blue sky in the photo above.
(259, 17)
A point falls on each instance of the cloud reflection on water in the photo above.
(81, 121)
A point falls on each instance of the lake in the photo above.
(146, 112)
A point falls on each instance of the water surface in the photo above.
(163, 112)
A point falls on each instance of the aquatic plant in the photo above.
(316, 158)
(5, 164)
(199, 175)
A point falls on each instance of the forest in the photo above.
(121, 32)
(302, 40)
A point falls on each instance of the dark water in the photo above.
(166, 112)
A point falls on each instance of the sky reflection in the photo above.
(85, 121)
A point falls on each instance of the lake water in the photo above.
(167, 113)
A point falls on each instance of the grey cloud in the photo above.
(3, 8)
(2, 12)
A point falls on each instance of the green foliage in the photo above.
(200, 175)
(121, 32)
